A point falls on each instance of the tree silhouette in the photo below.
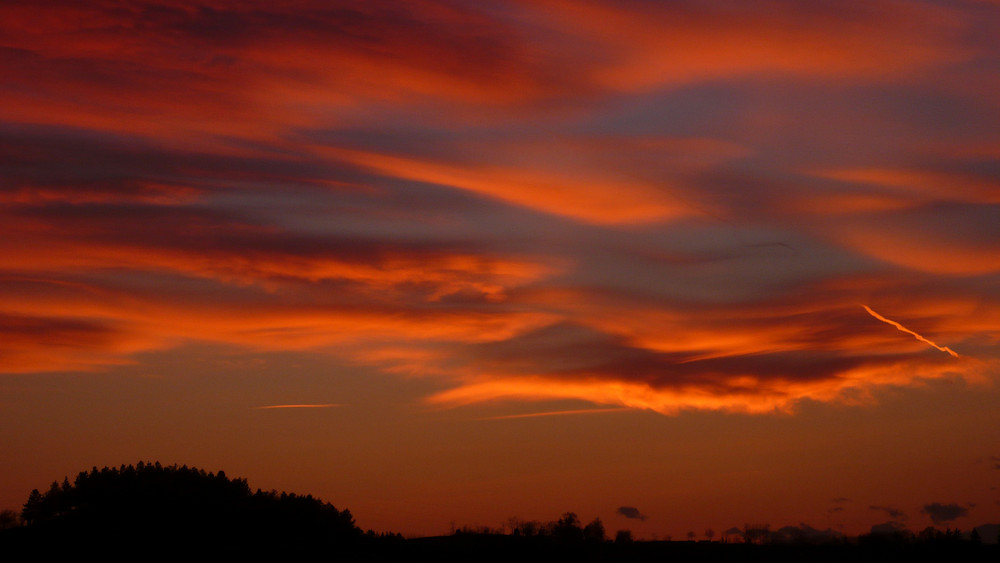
(9, 519)
(759, 534)
(568, 529)
(149, 500)
(594, 531)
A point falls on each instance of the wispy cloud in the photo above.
(555, 413)
(894, 513)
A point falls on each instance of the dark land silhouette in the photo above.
(177, 508)
(150, 510)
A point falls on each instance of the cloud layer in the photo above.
(692, 205)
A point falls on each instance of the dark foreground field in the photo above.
(48, 542)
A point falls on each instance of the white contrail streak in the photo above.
(908, 331)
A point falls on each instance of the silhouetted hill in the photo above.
(175, 508)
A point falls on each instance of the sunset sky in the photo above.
(712, 262)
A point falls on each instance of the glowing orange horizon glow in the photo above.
(902, 328)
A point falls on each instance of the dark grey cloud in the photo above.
(944, 513)
(117, 162)
(631, 512)
(58, 331)
(196, 47)
(973, 224)
(572, 350)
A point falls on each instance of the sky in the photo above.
(676, 265)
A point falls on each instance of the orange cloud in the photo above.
(65, 329)
(280, 177)
(754, 357)
(596, 180)
(921, 186)
(201, 77)
(31, 342)
(235, 284)
(247, 254)
(747, 395)
(231, 68)
(954, 243)
(669, 44)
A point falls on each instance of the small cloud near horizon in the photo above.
(944, 513)
(837, 501)
(893, 513)
(631, 513)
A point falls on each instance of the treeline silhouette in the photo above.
(565, 540)
(173, 510)
(567, 530)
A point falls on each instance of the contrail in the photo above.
(908, 331)
(555, 413)
(323, 406)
